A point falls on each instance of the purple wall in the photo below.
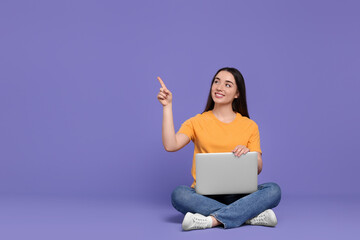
(79, 114)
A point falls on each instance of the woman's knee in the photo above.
(180, 197)
(273, 192)
(276, 193)
(180, 194)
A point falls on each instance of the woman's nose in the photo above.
(219, 87)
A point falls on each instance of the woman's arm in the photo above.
(260, 163)
(172, 142)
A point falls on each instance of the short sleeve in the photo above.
(187, 128)
(254, 140)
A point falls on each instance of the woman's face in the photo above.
(224, 89)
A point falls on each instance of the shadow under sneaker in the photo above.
(196, 221)
(266, 218)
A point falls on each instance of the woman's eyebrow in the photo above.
(225, 80)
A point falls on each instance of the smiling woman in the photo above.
(224, 126)
(234, 84)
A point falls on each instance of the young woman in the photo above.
(224, 126)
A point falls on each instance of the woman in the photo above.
(224, 126)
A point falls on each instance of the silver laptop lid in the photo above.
(224, 173)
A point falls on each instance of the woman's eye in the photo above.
(217, 81)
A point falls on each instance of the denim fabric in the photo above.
(231, 210)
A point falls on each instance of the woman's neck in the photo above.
(224, 112)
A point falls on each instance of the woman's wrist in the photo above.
(169, 106)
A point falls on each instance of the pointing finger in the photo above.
(161, 82)
(164, 90)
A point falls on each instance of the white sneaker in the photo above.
(266, 218)
(196, 221)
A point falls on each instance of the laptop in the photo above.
(225, 173)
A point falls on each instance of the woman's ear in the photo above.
(237, 94)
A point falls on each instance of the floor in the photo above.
(305, 217)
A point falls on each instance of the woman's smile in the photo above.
(219, 95)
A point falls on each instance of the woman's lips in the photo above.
(219, 95)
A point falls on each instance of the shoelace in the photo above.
(260, 218)
(199, 223)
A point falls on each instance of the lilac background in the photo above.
(79, 114)
(80, 119)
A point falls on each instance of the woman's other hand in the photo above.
(240, 149)
(164, 96)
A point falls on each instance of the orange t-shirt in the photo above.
(210, 135)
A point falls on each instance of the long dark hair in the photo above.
(239, 104)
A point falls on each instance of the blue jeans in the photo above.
(231, 210)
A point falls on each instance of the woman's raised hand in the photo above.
(240, 149)
(164, 96)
